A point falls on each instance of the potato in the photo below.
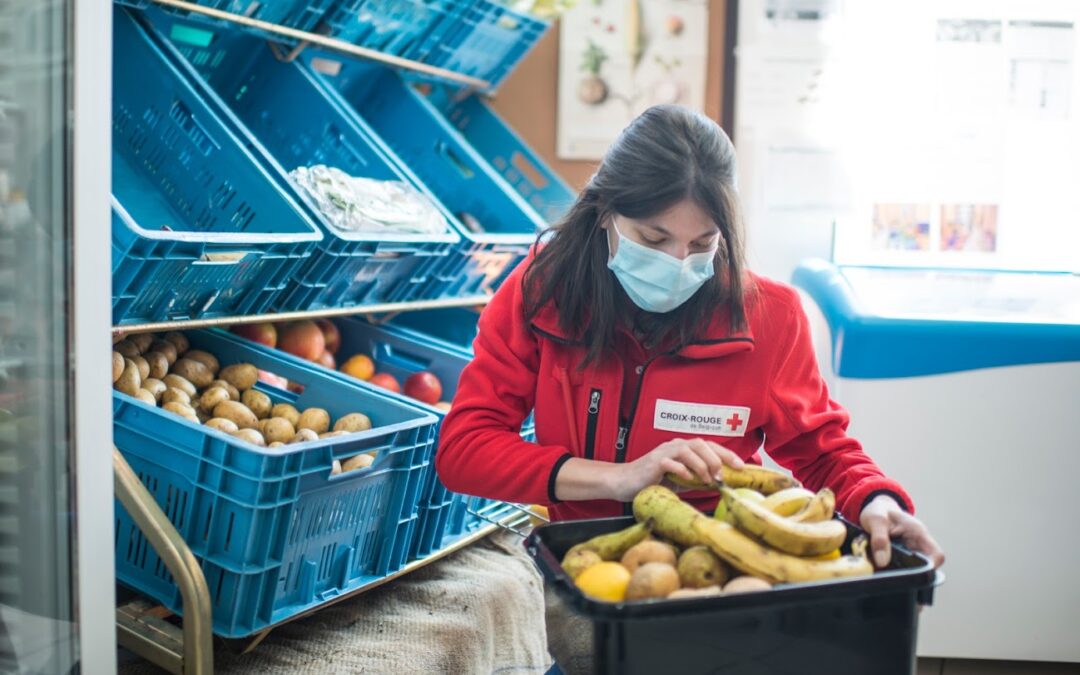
(304, 436)
(159, 364)
(234, 393)
(353, 422)
(316, 419)
(275, 444)
(335, 468)
(287, 411)
(251, 436)
(184, 385)
(130, 380)
(144, 367)
(243, 376)
(117, 366)
(333, 434)
(205, 358)
(174, 395)
(357, 462)
(704, 592)
(277, 429)
(179, 408)
(155, 387)
(258, 402)
(194, 372)
(166, 349)
(222, 424)
(652, 580)
(212, 397)
(146, 397)
(142, 341)
(647, 552)
(203, 416)
(238, 413)
(179, 340)
(127, 348)
(746, 585)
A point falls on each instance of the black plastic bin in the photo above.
(864, 626)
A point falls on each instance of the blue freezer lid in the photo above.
(899, 322)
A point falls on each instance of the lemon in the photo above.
(604, 581)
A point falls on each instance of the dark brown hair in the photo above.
(667, 154)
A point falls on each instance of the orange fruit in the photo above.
(604, 581)
(360, 366)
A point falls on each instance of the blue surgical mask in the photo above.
(654, 280)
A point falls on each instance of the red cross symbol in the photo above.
(734, 422)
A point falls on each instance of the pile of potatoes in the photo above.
(191, 383)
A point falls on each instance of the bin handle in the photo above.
(529, 170)
(926, 595)
(447, 153)
(223, 258)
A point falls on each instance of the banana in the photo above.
(766, 481)
(674, 519)
(803, 539)
(788, 502)
(612, 546)
(821, 507)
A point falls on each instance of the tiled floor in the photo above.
(971, 667)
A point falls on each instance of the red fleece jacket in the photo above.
(756, 390)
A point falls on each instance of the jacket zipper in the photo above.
(591, 420)
(624, 429)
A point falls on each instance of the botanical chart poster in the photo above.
(618, 58)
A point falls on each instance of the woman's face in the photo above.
(681, 230)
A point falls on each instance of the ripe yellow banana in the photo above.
(803, 539)
(766, 481)
(676, 520)
(788, 502)
(821, 507)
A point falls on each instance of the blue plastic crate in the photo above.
(451, 168)
(487, 41)
(300, 121)
(402, 352)
(516, 162)
(200, 227)
(275, 533)
(407, 28)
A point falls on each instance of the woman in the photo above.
(645, 347)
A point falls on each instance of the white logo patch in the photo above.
(700, 418)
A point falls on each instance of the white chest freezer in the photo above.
(965, 387)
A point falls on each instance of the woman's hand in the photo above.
(693, 459)
(885, 520)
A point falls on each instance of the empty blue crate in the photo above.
(300, 122)
(507, 152)
(275, 531)
(401, 353)
(488, 41)
(200, 228)
(407, 28)
(463, 180)
(299, 14)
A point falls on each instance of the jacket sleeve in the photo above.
(806, 430)
(481, 451)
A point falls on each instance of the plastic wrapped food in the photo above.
(351, 204)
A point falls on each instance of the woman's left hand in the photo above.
(885, 520)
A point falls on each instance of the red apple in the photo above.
(386, 381)
(331, 335)
(263, 333)
(424, 387)
(303, 339)
(327, 360)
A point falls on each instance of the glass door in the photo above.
(55, 453)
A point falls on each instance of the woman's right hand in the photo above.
(692, 459)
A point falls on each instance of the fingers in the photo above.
(880, 545)
(916, 537)
(709, 457)
(727, 456)
(692, 456)
(671, 465)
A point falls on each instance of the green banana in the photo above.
(802, 539)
